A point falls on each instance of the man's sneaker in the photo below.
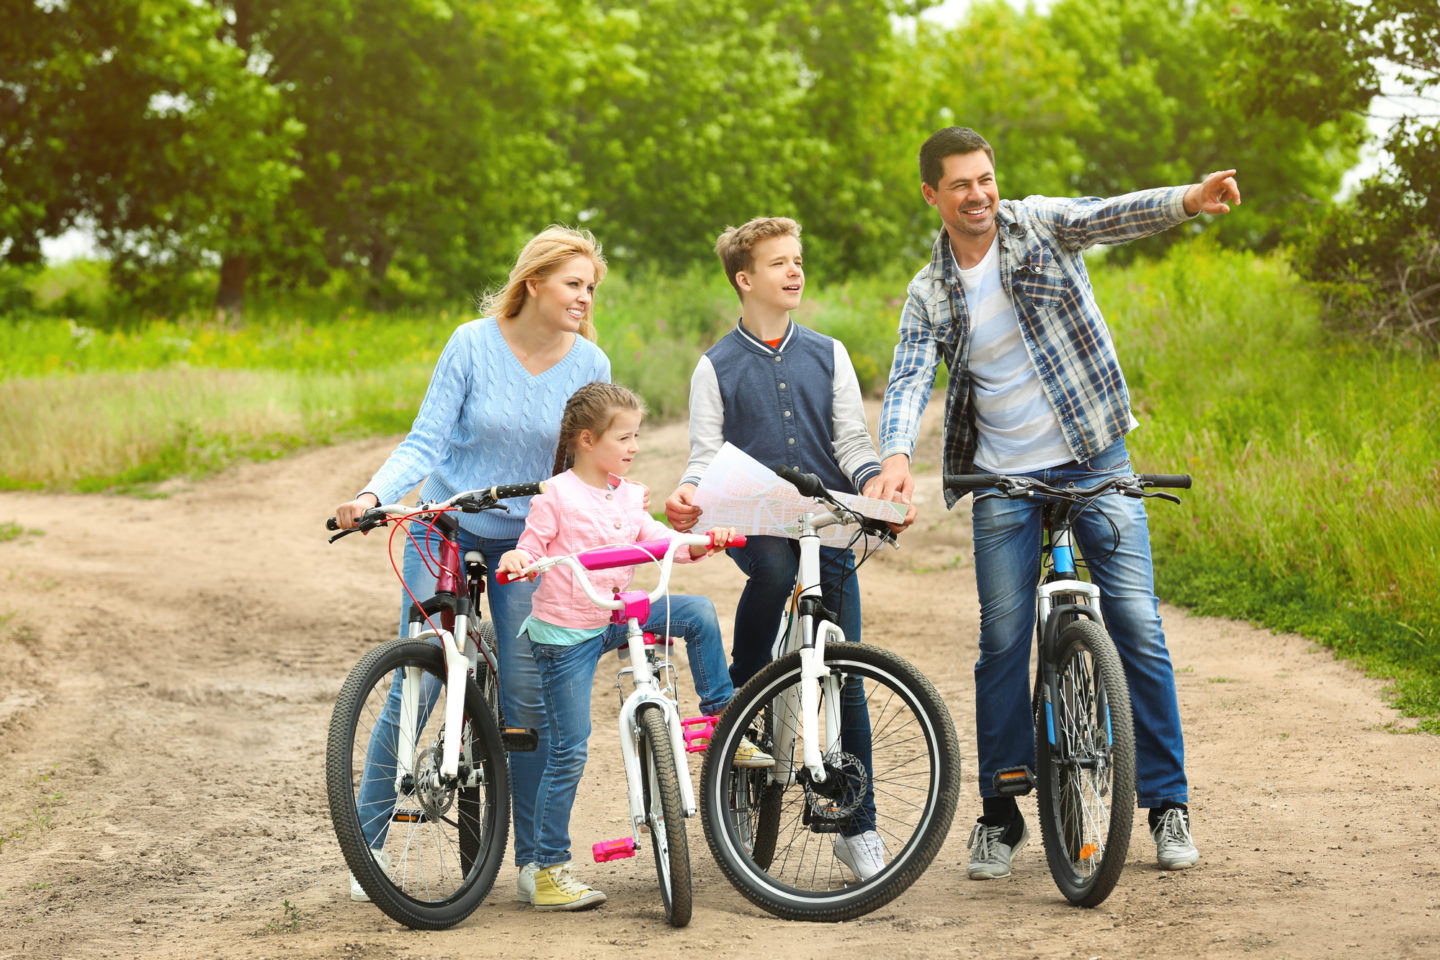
(1174, 850)
(995, 847)
(863, 853)
(525, 883)
(357, 892)
(748, 755)
(557, 889)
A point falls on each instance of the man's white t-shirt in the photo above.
(1018, 429)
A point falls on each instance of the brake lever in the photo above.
(1156, 493)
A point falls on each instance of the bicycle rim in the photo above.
(665, 815)
(428, 852)
(1087, 780)
(764, 830)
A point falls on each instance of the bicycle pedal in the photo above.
(698, 731)
(1014, 781)
(520, 739)
(607, 850)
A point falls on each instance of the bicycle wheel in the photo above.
(665, 814)
(482, 634)
(779, 850)
(1086, 778)
(425, 850)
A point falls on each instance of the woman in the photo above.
(492, 415)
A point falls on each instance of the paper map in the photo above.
(739, 491)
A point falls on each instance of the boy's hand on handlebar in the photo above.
(347, 515)
(719, 538)
(680, 508)
(512, 562)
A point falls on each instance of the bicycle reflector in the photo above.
(1014, 781)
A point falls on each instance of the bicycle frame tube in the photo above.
(812, 651)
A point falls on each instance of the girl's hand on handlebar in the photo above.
(513, 562)
(719, 538)
(347, 515)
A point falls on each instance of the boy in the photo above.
(784, 394)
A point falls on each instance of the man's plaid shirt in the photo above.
(1043, 273)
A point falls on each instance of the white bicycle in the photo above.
(653, 737)
(861, 741)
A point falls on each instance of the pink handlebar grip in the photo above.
(736, 541)
(698, 731)
(613, 849)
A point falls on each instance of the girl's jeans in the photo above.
(567, 674)
(1007, 558)
(772, 563)
(520, 698)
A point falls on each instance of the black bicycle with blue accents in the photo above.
(1084, 735)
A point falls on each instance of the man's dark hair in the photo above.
(945, 143)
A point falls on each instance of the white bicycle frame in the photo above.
(803, 634)
(647, 686)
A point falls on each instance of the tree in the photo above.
(1377, 256)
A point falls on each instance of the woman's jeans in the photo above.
(772, 563)
(1007, 559)
(520, 697)
(567, 674)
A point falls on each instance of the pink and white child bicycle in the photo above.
(654, 739)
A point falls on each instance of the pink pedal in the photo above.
(613, 849)
(698, 731)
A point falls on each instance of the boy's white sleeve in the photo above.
(707, 421)
(854, 450)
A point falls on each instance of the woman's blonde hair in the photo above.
(539, 258)
(592, 407)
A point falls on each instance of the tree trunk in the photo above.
(230, 299)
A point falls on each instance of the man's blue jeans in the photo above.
(771, 563)
(520, 698)
(567, 674)
(1007, 560)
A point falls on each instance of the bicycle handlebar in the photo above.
(467, 501)
(1130, 485)
(810, 485)
(621, 555)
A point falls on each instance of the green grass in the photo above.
(1316, 463)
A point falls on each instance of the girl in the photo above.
(592, 505)
(490, 417)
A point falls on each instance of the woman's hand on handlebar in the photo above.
(720, 537)
(347, 515)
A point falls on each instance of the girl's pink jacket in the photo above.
(571, 516)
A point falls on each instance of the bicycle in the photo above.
(1084, 735)
(772, 829)
(653, 737)
(415, 768)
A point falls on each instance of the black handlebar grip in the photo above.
(1180, 481)
(808, 484)
(506, 490)
(965, 482)
(331, 524)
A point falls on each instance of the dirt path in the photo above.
(167, 670)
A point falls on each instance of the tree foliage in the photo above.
(402, 149)
(1377, 256)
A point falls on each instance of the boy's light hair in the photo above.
(736, 245)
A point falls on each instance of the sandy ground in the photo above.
(168, 666)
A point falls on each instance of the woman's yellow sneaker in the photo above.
(557, 889)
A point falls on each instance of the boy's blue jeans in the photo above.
(567, 674)
(520, 698)
(771, 563)
(1007, 558)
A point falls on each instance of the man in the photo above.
(1035, 389)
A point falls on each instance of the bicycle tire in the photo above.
(665, 815)
(483, 636)
(915, 770)
(444, 843)
(1087, 802)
